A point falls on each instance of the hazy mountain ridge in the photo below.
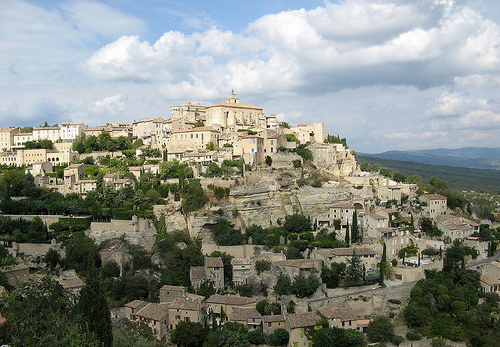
(471, 157)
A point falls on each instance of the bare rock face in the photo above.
(264, 202)
(145, 237)
(267, 202)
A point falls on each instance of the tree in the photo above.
(52, 258)
(262, 265)
(268, 160)
(383, 265)
(297, 223)
(380, 329)
(279, 337)
(194, 196)
(354, 272)
(415, 315)
(188, 334)
(41, 313)
(211, 146)
(354, 228)
(110, 269)
(38, 230)
(283, 285)
(256, 337)
(347, 239)
(399, 176)
(93, 307)
(305, 286)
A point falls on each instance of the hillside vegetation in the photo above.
(459, 178)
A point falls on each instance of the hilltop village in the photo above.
(222, 214)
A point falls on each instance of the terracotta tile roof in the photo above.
(197, 273)
(273, 318)
(376, 216)
(70, 282)
(185, 304)
(235, 105)
(489, 281)
(168, 288)
(154, 311)
(348, 204)
(300, 320)
(230, 300)
(241, 261)
(134, 304)
(213, 262)
(384, 230)
(459, 223)
(240, 314)
(195, 130)
(331, 312)
(435, 197)
(354, 250)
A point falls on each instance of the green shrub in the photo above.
(413, 336)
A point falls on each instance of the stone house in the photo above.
(7, 138)
(242, 268)
(16, 274)
(248, 316)
(70, 281)
(156, 316)
(433, 204)
(456, 227)
(298, 267)
(194, 138)
(212, 270)
(296, 325)
(225, 303)
(372, 221)
(185, 309)
(338, 317)
(490, 277)
(169, 293)
(367, 255)
(133, 307)
(272, 322)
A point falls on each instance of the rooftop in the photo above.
(300, 320)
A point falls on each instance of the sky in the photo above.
(386, 75)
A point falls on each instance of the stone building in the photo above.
(433, 204)
(242, 269)
(231, 115)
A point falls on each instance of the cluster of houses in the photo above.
(177, 305)
(240, 131)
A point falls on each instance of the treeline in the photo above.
(102, 142)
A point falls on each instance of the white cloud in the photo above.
(99, 18)
(382, 73)
(115, 104)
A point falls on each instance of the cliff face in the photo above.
(263, 203)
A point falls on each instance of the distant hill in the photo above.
(458, 178)
(472, 157)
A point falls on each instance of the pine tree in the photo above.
(93, 307)
(382, 266)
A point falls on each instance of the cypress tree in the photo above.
(382, 266)
(354, 228)
(93, 307)
(347, 239)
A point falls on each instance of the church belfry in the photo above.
(233, 99)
